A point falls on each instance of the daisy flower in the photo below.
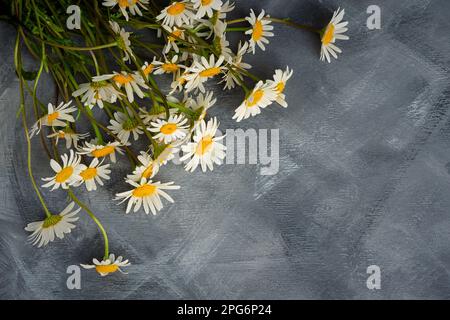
(55, 117)
(168, 66)
(166, 155)
(206, 148)
(147, 68)
(260, 30)
(94, 93)
(206, 7)
(233, 78)
(155, 113)
(71, 137)
(132, 5)
(67, 174)
(147, 194)
(334, 30)
(177, 13)
(107, 266)
(123, 126)
(218, 26)
(201, 70)
(101, 151)
(174, 34)
(261, 96)
(132, 82)
(148, 168)
(94, 173)
(203, 102)
(279, 83)
(123, 41)
(57, 225)
(175, 128)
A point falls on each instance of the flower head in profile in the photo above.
(201, 104)
(69, 136)
(108, 266)
(201, 70)
(123, 126)
(55, 117)
(96, 92)
(96, 150)
(54, 226)
(132, 5)
(206, 148)
(333, 31)
(279, 83)
(167, 154)
(146, 194)
(123, 40)
(177, 13)
(148, 168)
(262, 96)
(261, 29)
(132, 82)
(93, 174)
(234, 76)
(67, 174)
(173, 129)
(206, 7)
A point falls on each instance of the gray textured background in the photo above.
(364, 179)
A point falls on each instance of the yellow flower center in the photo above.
(89, 173)
(328, 35)
(206, 2)
(204, 145)
(103, 152)
(51, 221)
(211, 72)
(280, 87)
(108, 268)
(170, 67)
(148, 69)
(144, 191)
(64, 174)
(61, 134)
(176, 8)
(169, 128)
(123, 79)
(257, 30)
(147, 172)
(175, 35)
(52, 117)
(126, 3)
(254, 98)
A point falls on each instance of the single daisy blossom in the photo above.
(132, 82)
(96, 92)
(201, 70)
(132, 5)
(166, 155)
(55, 117)
(177, 13)
(101, 151)
(261, 96)
(56, 225)
(206, 148)
(94, 173)
(148, 168)
(332, 32)
(67, 174)
(168, 66)
(107, 266)
(147, 68)
(147, 194)
(123, 126)
(260, 30)
(123, 41)
(279, 83)
(170, 130)
(206, 7)
(156, 112)
(231, 78)
(67, 134)
(202, 102)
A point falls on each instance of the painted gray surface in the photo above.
(364, 179)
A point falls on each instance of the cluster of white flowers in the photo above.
(195, 51)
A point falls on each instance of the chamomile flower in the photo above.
(147, 194)
(132, 82)
(147, 68)
(261, 29)
(93, 149)
(201, 70)
(261, 96)
(333, 31)
(166, 155)
(67, 134)
(279, 83)
(123, 126)
(148, 168)
(55, 117)
(174, 34)
(206, 149)
(107, 266)
(168, 66)
(156, 112)
(170, 130)
(177, 13)
(56, 225)
(132, 5)
(94, 93)
(67, 174)
(231, 78)
(206, 7)
(202, 102)
(218, 26)
(94, 173)
(123, 41)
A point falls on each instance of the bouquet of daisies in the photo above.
(107, 74)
